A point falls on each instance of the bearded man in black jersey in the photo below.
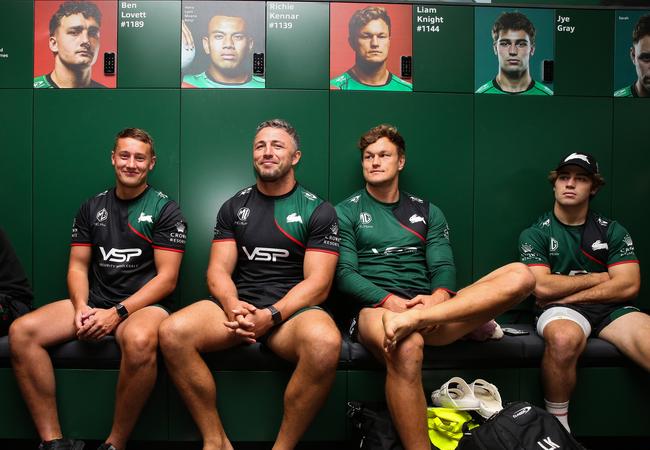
(397, 266)
(272, 262)
(127, 245)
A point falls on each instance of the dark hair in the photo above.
(641, 29)
(597, 180)
(283, 125)
(363, 16)
(513, 21)
(138, 134)
(383, 131)
(66, 9)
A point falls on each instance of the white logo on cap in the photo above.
(575, 155)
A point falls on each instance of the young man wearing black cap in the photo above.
(587, 276)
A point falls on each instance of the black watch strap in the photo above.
(122, 311)
(276, 316)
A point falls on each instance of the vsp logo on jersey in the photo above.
(120, 255)
(265, 253)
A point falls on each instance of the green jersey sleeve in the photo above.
(348, 278)
(532, 248)
(440, 259)
(621, 247)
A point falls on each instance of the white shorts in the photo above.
(562, 313)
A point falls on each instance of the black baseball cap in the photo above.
(584, 160)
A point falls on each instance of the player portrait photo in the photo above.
(514, 51)
(632, 46)
(371, 47)
(70, 41)
(222, 44)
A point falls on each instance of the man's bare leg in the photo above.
(631, 335)
(312, 340)
(29, 336)
(183, 336)
(474, 305)
(404, 391)
(564, 341)
(138, 340)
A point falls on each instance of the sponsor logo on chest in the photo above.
(120, 255)
(265, 253)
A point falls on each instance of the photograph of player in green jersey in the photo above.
(514, 44)
(370, 35)
(639, 53)
(228, 35)
(74, 41)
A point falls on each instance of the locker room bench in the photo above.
(251, 382)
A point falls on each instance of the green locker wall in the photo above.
(482, 159)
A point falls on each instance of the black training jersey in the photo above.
(272, 235)
(123, 235)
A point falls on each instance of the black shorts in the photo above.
(599, 315)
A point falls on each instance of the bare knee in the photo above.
(174, 335)
(23, 332)
(406, 359)
(522, 279)
(564, 344)
(139, 347)
(323, 348)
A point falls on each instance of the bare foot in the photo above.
(396, 327)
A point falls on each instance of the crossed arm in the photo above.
(620, 283)
(97, 323)
(245, 320)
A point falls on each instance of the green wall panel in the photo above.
(515, 152)
(149, 51)
(251, 406)
(630, 180)
(17, 44)
(80, 416)
(443, 51)
(73, 139)
(217, 131)
(297, 49)
(584, 55)
(16, 186)
(439, 150)
(15, 421)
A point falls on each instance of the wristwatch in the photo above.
(122, 312)
(275, 315)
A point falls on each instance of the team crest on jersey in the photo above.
(415, 219)
(365, 218)
(245, 191)
(546, 223)
(145, 218)
(599, 246)
(243, 213)
(102, 215)
(554, 245)
(293, 217)
(310, 196)
(355, 199)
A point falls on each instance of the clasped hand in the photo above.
(248, 322)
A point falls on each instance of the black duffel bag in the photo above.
(520, 426)
(374, 429)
